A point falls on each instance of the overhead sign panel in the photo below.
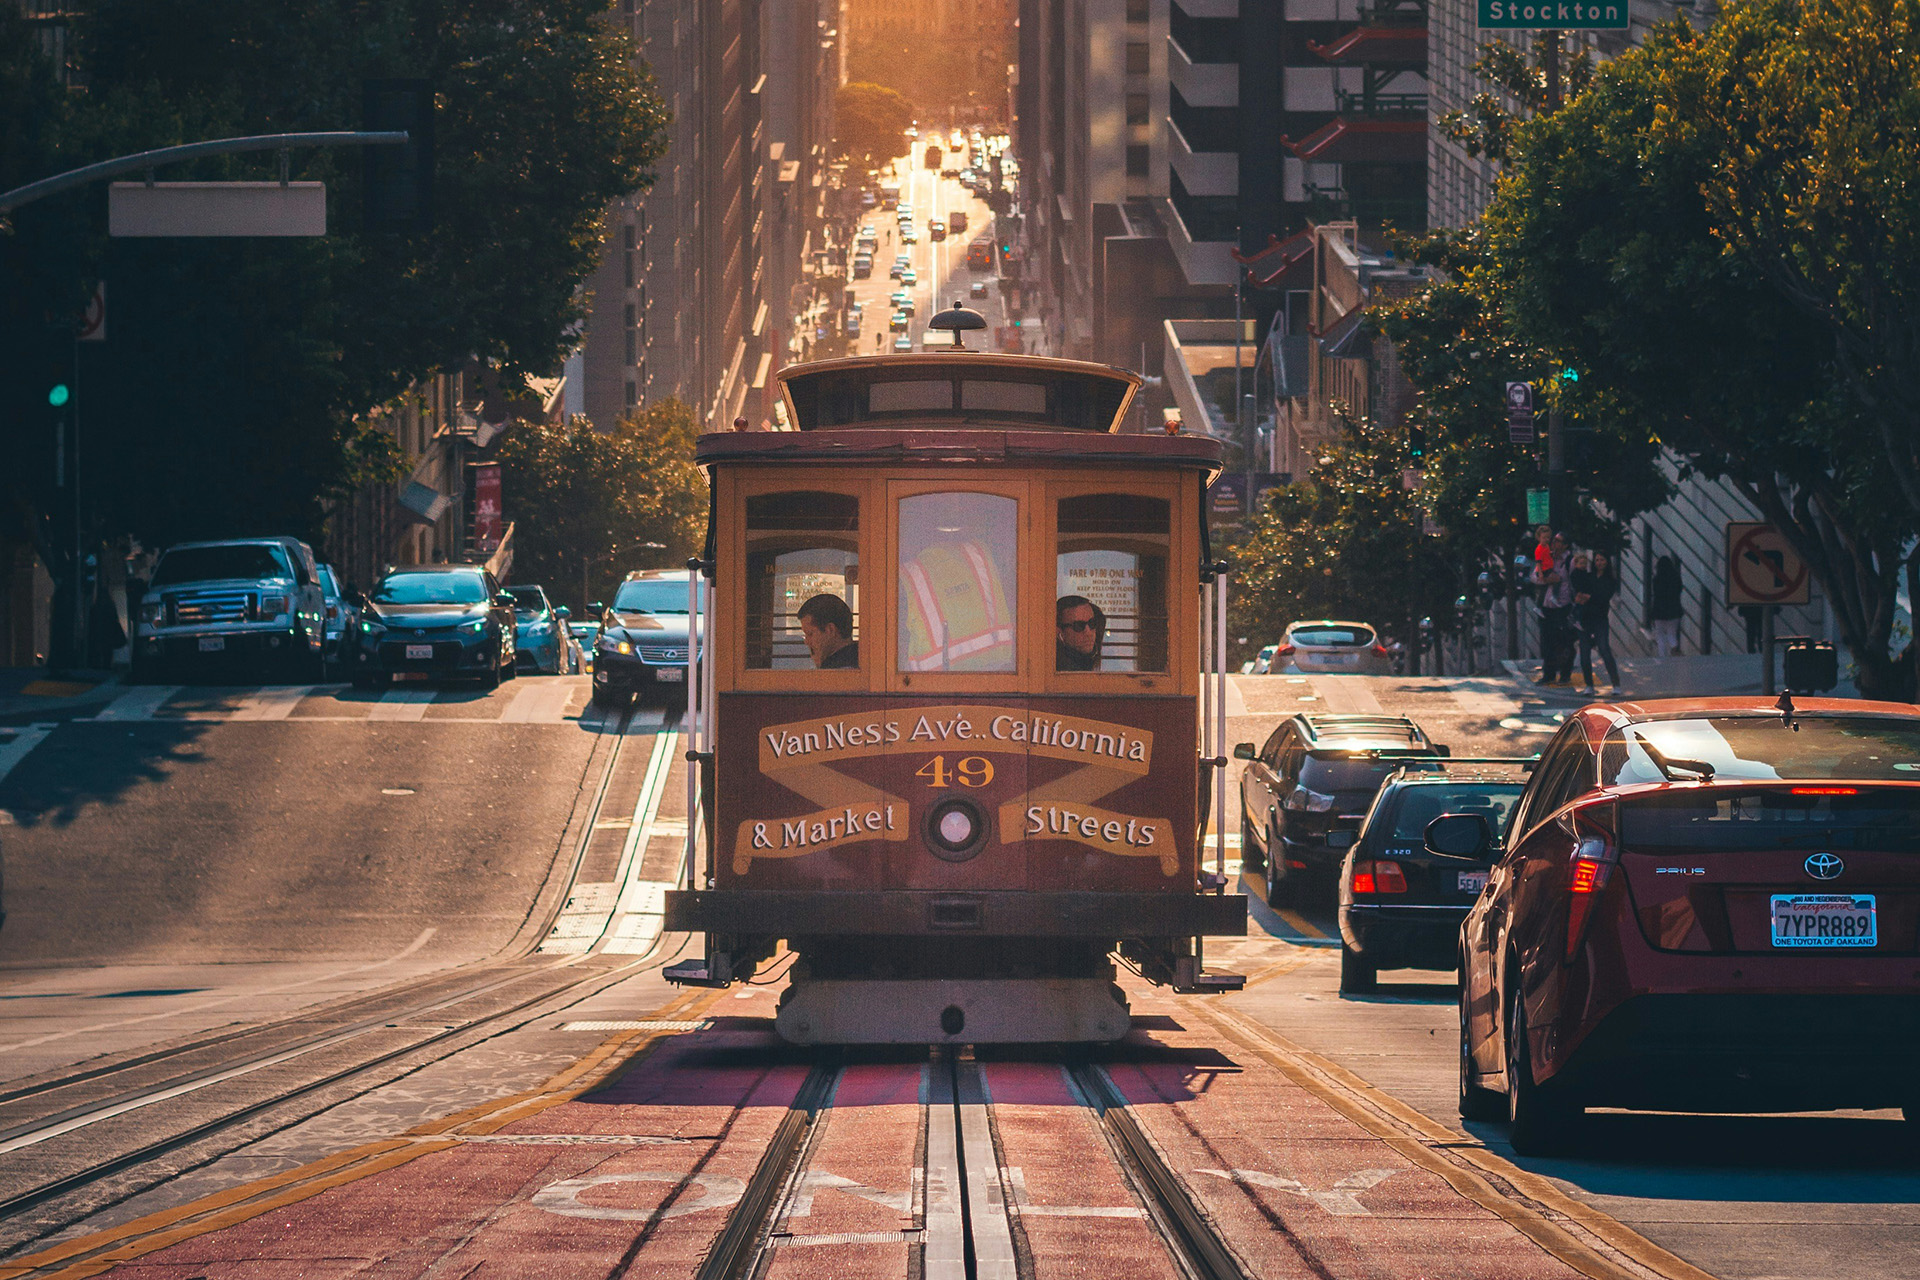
(217, 209)
(1555, 15)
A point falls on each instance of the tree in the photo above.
(586, 504)
(229, 395)
(870, 123)
(1610, 248)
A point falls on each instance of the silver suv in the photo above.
(223, 604)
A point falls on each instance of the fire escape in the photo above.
(1379, 137)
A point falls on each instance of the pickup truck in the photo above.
(246, 601)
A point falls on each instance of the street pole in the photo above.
(1239, 335)
(1556, 469)
(1552, 59)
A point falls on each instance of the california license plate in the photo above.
(419, 652)
(1824, 920)
(671, 675)
(212, 644)
(1472, 881)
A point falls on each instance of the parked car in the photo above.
(1400, 904)
(1263, 663)
(583, 632)
(936, 229)
(909, 277)
(978, 289)
(899, 322)
(908, 235)
(540, 641)
(434, 622)
(244, 602)
(342, 613)
(1701, 905)
(862, 266)
(957, 221)
(902, 344)
(1351, 648)
(1305, 792)
(641, 648)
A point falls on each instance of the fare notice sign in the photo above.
(1563, 15)
(1762, 568)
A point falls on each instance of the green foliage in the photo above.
(227, 396)
(587, 502)
(870, 123)
(1612, 242)
(1345, 543)
(1485, 126)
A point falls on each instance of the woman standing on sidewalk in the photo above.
(1593, 591)
(1666, 607)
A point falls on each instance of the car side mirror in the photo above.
(596, 607)
(1442, 749)
(1244, 751)
(504, 600)
(563, 613)
(1460, 835)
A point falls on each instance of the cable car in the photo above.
(963, 705)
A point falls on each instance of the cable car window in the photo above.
(958, 579)
(919, 396)
(1112, 572)
(1003, 397)
(802, 545)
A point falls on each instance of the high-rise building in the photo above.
(698, 284)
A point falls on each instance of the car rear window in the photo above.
(1420, 805)
(209, 564)
(1320, 636)
(1345, 773)
(652, 595)
(1765, 749)
(1702, 821)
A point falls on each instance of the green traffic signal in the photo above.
(1569, 374)
(59, 394)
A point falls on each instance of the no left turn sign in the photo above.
(1762, 568)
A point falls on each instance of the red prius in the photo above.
(1704, 905)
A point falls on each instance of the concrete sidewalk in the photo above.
(1693, 675)
(30, 693)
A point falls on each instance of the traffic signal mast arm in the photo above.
(59, 182)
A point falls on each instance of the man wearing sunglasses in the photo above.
(1079, 627)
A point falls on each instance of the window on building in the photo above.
(1112, 554)
(627, 233)
(1139, 11)
(628, 257)
(633, 315)
(1138, 107)
(633, 395)
(633, 347)
(1139, 161)
(799, 545)
(1137, 60)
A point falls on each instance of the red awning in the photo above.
(1346, 141)
(1377, 46)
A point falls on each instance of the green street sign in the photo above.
(1539, 506)
(1555, 15)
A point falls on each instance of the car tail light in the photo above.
(1382, 650)
(1373, 878)
(1307, 800)
(1284, 651)
(1590, 870)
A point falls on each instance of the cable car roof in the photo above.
(957, 388)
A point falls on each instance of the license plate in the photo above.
(212, 644)
(1472, 881)
(670, 675)
(1339, 839)
(1824, 920)
(416, 652)
(409, 675)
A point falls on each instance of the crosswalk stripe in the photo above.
(538, 702)
(138, 704)
(274, 703)
(402, 704)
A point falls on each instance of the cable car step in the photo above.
(1214, 984)
(700, 973)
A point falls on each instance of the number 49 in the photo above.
(968, 771)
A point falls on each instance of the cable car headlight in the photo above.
(956, 830)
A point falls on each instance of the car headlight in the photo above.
(372, 626)
(613, 645)
(475, 627)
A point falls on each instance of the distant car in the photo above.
(342, 613)
(434, 622)
(1333, 647)
(1263, 664)
(910, 277)
(539, 632)
(641, 646)
(243, 601)
(907, 236)
(957, 221)
(1307, 789)
(868, 199)
(949, 173)
(900, 322)
(898, 269)
(1400, 903)
(862, 266)
(936, 229)
(851, 325)
(900, 299)
(978, 289)
(582, 632)
(903, 343)
(913, 131)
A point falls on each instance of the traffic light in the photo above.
(1569, 374)
(1416, 444)
(58, 395)
(398, 181)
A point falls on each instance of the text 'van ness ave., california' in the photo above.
(978, 728)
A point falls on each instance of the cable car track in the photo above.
(194, 1072)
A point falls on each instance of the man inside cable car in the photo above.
(827, 625)
(1079, 628)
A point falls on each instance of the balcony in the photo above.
(1334, 204)
(1202, 84)
(1366, 141)
(1203, 173)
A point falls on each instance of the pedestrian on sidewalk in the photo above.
(1594, 587)
(1666, 606)
(1556, 603)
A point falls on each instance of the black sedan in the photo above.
(1400, 903)
(434, 622)
(641, 648)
